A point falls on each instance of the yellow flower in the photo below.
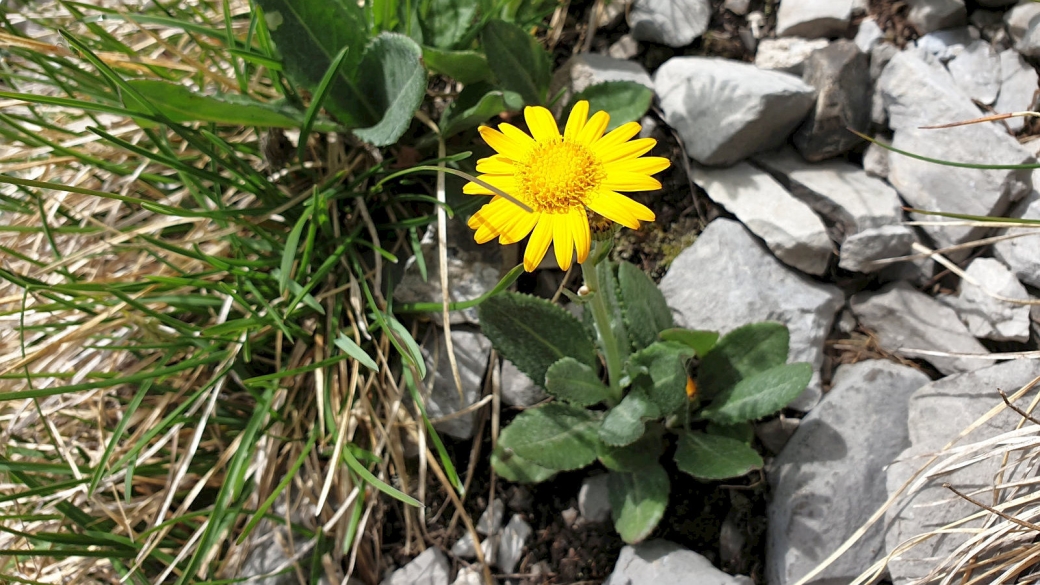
(559, 177)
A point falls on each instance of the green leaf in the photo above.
(477, 104)
(710, 457)
(517, 60)
(534, 333)
(641, 454)
(414, 354)
(626, 422)
(181, 104)
(660, 370)
(646, 311)
(701, 341)
(638, 501)
(742, 431)
(556, 436)
(309, 34)
(625, 101)
(575, 382)
(610, 290)
(743, 352)
(760, 395)
(466, 67)
(354, 350)
(445, 22)
(515, 468)
(392, 75)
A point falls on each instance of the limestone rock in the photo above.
(789, 227)
(594, 499)
(813, 18)
(517, 389)
(675, 23)
(429, 568)
(868, 35)
(1022, 253)
(472, 351)
(748, 285)
(725, 110)
(585, 69)
(977, 71)
(664, 563)
(929, 15)
(904, 318)
(829, 478)
(787, 54)
(988, 317)
(511, 545)
(1020, 18)
(840, 73)
(1018, 87)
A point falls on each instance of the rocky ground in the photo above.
(797, 219)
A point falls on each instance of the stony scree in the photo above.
(1029, 44)
(517, 389)
(918, 93)
(726, 111)
(735, 295)
(788, 226)
(1018, 86)
(929, 15)
(813, 18)
(429, 568)
(594, 499)
(946, 44)
(828, 480)
(868, 35)
(1022, 252)
(666, 563)
(976, 70)
(675, 23)
(472, 351)
(939, 412)
(905, 318)
(511, 545)
(1020, 18)
(787, 54)
(840, 73)
(988, 317)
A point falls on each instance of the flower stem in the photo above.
(601, 314)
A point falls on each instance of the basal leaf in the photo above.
(575, 382)
(711, 457)
(646, 311)
(517, 60)
(643, 453)
(477, 104)
(534, 333)
(515, 468)
(626, 422)
(625, 101)
(700, 341)
(391, 73)
(660, 370)
(638, 501)
(760, 395)
(181, 104)
(446, 22)
(466, 67)
(743, 352)
(608, 283)
(555, 436)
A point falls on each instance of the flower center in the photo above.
(558, 175)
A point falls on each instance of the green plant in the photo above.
(664, 386)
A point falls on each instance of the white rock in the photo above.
(585, 69)
(1019, 18)
(675, 23)
(825, 482)
(625, 47)
(977, 71)
(1022, 253)
(1018, 87)
(787, 54)
(1029, 44)
(948, 43)
(594, 499)
(491, 519)
(517, 389)
(904, 318)
(738, 7)
(868, 35)
(929, 15)
(918, 94)
(661, 562)
(813, 18)
(469, 576)
(875, 161)
(747, 285)
(938, 413)
(789, 227)
(840, 73)
(726, 110)
(853, 202)
(511, 546)
(429, 568)
(985, 316)
(472, 351)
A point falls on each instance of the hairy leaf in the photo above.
(660, 371)
(517, 60)
(743, 352)
(711, 457)
(646, 310)
(638, 501)
(700, 341)
(575, 382)
(626, 422)
(515, 468)
(760, 395)
(555, 436)
(625, 101)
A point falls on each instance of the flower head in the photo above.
(561, 178)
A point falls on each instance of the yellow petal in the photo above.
(646, 165)
(576, 121)
(506, 145)
(506, 183)
(621, 181)
(519, 229)
(563, 241)
(496, 165)
(627, 150)
(541, 123)
(490, 219)
(580, 228)
(539, 242)
(619, 209)
(617, 136)
(594, 128)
